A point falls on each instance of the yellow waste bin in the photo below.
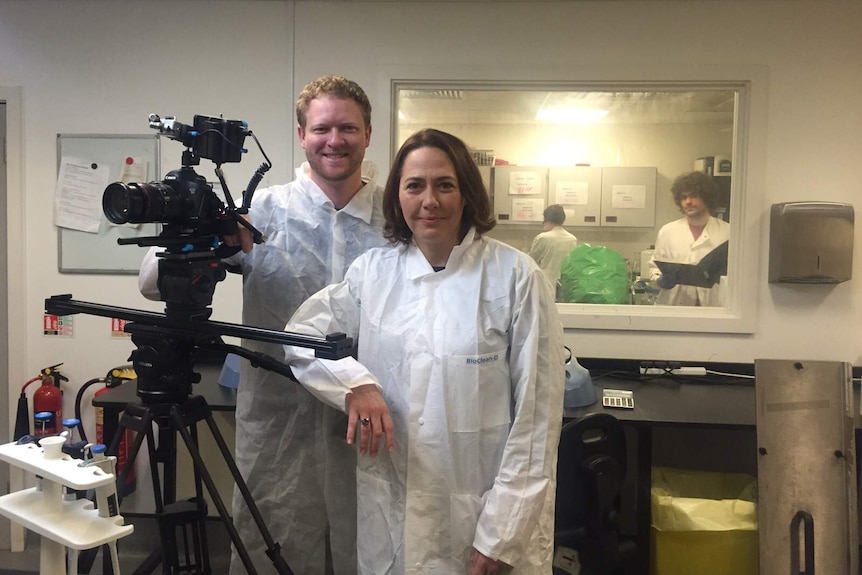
(703, 523)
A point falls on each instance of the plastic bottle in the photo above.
(106, 495)
(43, 423)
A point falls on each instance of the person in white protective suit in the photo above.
(462, 334)
(551, 247)
(290, 448)
(688, 239)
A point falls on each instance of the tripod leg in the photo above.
(199, 532)
(273, 549)
(197, 409)
(140, 420)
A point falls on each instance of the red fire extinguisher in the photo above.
(114, 378)
(48, 398)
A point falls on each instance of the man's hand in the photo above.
(242, 238)
(665, 281)
(367, 409)
(484, 565)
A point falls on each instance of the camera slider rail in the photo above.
(331, 346)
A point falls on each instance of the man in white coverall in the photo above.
(290, 448)
(551, 247)
(462, 334)
(688, 239)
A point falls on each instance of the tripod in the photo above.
(166, 358)
(182, 419)
(164, 363)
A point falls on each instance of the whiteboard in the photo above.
(86, 253)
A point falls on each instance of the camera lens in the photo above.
(140, 203)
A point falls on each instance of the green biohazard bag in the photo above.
(595, 275)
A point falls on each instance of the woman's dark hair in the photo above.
(477, 204)
(696, 184)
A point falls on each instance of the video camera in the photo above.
(194, 219)
(184, 202)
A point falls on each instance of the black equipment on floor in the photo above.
(591, 468)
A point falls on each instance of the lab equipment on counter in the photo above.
(579, 390)
(72, 524)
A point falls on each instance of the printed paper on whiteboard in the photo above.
(572, 193)
(628, 196)
(134, 170)
(525, 183)
(78, 196)
(528, 209)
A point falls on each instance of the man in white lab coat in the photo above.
(462, 334)
(551, 247)
(688, 239)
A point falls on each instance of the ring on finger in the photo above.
(365, 422)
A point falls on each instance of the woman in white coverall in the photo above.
(462, 334)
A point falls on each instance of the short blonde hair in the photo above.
(336, 87)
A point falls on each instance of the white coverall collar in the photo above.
(362, 204)
(418, 266)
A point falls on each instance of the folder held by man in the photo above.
(705, 273)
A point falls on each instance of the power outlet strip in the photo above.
(674, 371)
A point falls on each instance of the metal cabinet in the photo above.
(612, 197)
(806, 468)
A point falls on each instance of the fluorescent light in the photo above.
(570, 115)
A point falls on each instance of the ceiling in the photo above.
(478, 106)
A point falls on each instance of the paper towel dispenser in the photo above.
(810, 242)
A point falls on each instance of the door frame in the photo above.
(13, 351)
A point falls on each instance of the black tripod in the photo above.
(164, 363)
(189, 516)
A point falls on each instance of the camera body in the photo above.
(184, 202)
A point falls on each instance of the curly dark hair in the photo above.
(697, 184)
(337, 87)
(477, 205)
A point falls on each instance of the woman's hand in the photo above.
(367, 409)
(484, 565)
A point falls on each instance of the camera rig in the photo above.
(195, 225)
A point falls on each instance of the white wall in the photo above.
(88, 66)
